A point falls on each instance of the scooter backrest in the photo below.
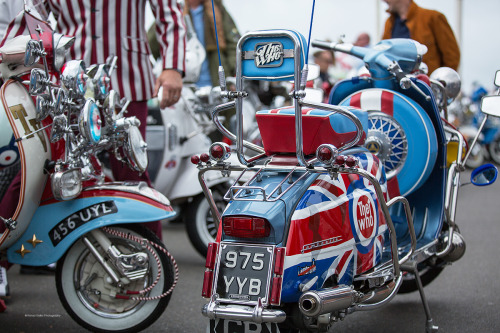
(270, 54)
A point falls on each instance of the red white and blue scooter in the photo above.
(347, 204)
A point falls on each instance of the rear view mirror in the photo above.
(490, 105)
(484, 175)
(497, 79)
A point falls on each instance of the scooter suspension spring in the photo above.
(147, 244)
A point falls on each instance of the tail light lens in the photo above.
(219, 151)
(246, 227)
(211, 256)
(209, 272)
(277, 281)
(326, 153)
(279, 255)
(276, 290)
(207, 284)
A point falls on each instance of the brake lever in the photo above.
(404, 81)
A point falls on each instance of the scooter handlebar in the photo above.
(341, 47)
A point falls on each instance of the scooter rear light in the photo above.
(204, 157)
(276, 291)
(326, 153)
(340, 160)
(195, 159)
(351, 161)
(211, 256)
(246, 227)
(279, 255)
(207, 284)
(219, 151)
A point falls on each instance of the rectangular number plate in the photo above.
(234, 326)
(244, 272)
(79, 218)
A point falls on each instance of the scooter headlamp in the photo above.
(89, 122)
(66, 185)
(74, 78)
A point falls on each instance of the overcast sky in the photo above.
(480, 40)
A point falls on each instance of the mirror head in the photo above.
(484, 175)
(490, 105)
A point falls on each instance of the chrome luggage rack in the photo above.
(236, 192)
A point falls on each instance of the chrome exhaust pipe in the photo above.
(318, 302)
(457, 248)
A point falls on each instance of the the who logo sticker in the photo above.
(364, 219)
(269, 54)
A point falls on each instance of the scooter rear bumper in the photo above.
(255, 314)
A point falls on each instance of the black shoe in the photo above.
(38, 270)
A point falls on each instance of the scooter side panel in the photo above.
(336, 232)
(56, 226)
(18, 109)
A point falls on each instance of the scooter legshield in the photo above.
(57, 225)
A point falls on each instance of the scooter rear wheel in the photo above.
(86, 291)
(201, 226)
(427, 275)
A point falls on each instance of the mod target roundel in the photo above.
(364, 219)
(9, 154)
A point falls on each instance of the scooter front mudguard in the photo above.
(56, 225)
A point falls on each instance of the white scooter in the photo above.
(176, 133)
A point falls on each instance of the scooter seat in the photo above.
(277, 129)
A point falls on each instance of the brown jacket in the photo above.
(430, 27)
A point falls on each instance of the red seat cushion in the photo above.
(277, 128)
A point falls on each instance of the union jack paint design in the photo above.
(337, 228)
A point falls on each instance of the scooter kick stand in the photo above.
(411, 266)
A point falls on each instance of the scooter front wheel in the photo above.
(88, 293)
